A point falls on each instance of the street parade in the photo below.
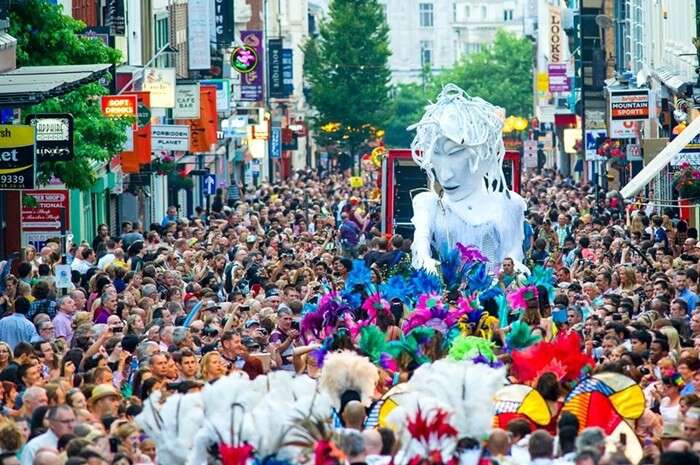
(349, 232)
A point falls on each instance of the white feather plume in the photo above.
(346, 370)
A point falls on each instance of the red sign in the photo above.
(119, 106)
(52, 213)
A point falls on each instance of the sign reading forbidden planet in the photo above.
(170, 137)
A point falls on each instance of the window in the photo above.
(471, 48)
(425, 12)
(483, 12)
(426, 53)
(467, 11)
(507, 15)
(454, 12)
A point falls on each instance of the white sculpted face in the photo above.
(452, 166)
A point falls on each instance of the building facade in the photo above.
(433, 35)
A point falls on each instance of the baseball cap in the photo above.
(251, 322)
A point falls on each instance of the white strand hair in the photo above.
(479, 124)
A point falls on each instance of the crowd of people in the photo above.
(181, 304)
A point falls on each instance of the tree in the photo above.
(347, 74)
(46, 37)
(500, 73)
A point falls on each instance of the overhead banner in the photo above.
(54, 136)
(17, 161)
(252, 82)
(186, 101)
(170, 137)
(198, 34)
(223, 93)
(50, 218)
(274, 53)
(555, 35)
(223, 22)
(160, 82)
(119, 106)
(288, 71)
(629, 104)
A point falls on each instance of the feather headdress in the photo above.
(520, 336)
(519, 298)
(563, 356)
(471, 348)
(348, 371)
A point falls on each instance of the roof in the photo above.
(30, 85)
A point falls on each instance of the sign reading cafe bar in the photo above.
(54, 136)
(17, 161)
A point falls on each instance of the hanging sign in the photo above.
(160, 82)
(119, 106)
(54, 136)
(170, 137)
(17, 160)
(253, 81)
(223, 93)
(629, 104)
(555, 33)
(198, 48)
(244, 59)
(186, 101)
(274, 64)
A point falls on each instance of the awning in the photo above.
(658, 163)
(30, 85)
(672, 80)
(7, 41)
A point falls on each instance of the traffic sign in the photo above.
(209, 184)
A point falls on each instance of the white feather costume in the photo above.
(462, 389)
(172, 425)
(347, 371)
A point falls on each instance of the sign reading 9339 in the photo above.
(17, 163)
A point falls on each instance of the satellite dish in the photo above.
(604, 21)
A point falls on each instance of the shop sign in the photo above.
(51, 214)
(17, 159)
(54, 136)
(186, 101)
(119, 106)
(170, 137)
(244, 59)
(160, 82)
(630, 104)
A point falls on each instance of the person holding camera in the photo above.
(284, 337)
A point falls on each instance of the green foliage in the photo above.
(347, 73)
(46, 37)
(500, 74)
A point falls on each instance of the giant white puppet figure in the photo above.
(458, 143)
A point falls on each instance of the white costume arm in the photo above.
(513, 230)
(424, 213)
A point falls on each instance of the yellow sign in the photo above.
(356, 181)
(17, 161)
(542, 82)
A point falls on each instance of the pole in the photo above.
(266, 91)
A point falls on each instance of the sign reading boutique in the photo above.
(54, 136)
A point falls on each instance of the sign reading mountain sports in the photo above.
(54, 136)
(244, 59)
(17, 160)
(629, 104)
(119, 106)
